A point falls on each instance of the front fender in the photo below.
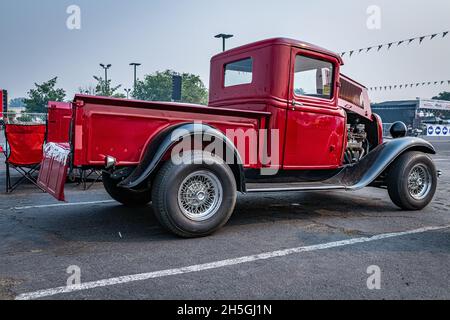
(165, 141)
(365, 172)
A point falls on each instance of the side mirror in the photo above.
(398, 130)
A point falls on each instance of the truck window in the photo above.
(313, 78)
(239, 72)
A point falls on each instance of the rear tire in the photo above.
(412, 181)
(194, 198)
(129, 198)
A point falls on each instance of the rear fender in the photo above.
(166, 140)
(365, 172)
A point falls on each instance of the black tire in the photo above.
(398, 181)
(168, 204)
(129, 198)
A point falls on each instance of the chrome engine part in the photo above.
(357, 145)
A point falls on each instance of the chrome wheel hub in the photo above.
(200, 195)
(419, 182)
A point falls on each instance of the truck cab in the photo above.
(300, 84)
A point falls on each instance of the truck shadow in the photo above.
(116, 223)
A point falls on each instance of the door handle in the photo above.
(297, 104)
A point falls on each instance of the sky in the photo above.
(36, 44)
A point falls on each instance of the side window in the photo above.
(313, 78)
(239, 72)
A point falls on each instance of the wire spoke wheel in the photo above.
(419, 182)
(200, 196)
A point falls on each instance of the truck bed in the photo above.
(122, 128)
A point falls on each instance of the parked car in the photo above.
(286, 118)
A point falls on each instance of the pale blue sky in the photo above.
(178, 34)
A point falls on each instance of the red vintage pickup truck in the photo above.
(281, 117)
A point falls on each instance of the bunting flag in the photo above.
(409, 85)
(389, 45)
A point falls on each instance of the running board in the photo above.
(291, 187)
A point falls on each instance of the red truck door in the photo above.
(315, 124)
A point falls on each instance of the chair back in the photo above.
(25, 143)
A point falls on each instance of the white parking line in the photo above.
(215, 265)
(62, 205)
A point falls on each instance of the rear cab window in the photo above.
(313, 78)
(238, 73)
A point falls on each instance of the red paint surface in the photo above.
(59, 118)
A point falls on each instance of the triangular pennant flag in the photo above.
(351, 53)
(442, 82)
(435, 83)
(401, 86)
(429, 83)
(360, 50)
(395, 87)
(424, 83)
(411, 40)
(444, 34)
(385, 88)
(433, 36)
(390, 45)
(368, 49)
(380, 47)
(400, 42)
(421, 39)
(342, 54)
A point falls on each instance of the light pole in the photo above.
(135, 65)
(128, 92)
(224, 37)
(106, 67)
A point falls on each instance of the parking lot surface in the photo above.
(276, 246)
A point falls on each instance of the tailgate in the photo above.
(54, 166)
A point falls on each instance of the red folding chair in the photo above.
(24, 152)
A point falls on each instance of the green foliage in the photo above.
(39, 97)
(17, 103)
(443, 96)
(105, 89)
(158, 87)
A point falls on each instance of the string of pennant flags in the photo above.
(408, 85)
(398, 43)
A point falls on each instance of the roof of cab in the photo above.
(280, 41)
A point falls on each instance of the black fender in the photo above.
(167, 139)
(365, 172)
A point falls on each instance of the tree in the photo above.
(443, 96)
(17, 103)
(39, 97)
(158, 87)
(106, 89)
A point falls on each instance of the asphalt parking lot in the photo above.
(314, 245)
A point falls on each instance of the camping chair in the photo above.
(23, 152)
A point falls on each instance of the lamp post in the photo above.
(106, 67)
(224, 37)
(128, 92)
(135, 65)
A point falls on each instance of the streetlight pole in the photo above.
(135, 65)
(106, 67)
(224, 37)
(128, 92)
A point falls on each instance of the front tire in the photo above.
(194, 198)
(412, 181)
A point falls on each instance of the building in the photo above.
(416, 114)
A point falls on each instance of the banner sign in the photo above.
(437, 130)
(435, 105)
